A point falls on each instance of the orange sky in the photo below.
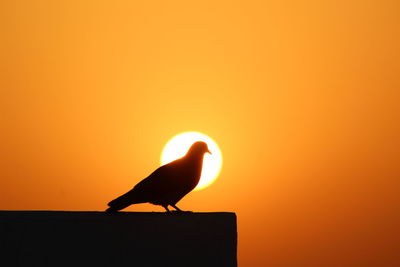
(301, 96)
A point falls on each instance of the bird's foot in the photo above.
(181, 211)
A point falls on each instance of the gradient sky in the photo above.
(301, 96)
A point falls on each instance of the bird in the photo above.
(168, 184)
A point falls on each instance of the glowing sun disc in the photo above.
(179, 145)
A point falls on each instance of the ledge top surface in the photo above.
(17, 213)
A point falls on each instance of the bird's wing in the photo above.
(158, 176)
(163, 180)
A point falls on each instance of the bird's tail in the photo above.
(120, 202)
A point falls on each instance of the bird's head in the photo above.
(199, 148)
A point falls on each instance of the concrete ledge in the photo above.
(63, 238)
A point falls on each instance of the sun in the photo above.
(179, 145)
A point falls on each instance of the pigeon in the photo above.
(168, 184)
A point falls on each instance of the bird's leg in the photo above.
(166, 208)
(179, 210)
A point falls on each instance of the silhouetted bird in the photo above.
(168, 184)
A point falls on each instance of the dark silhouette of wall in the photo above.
(62, 238)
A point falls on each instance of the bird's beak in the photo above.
(208, 151)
